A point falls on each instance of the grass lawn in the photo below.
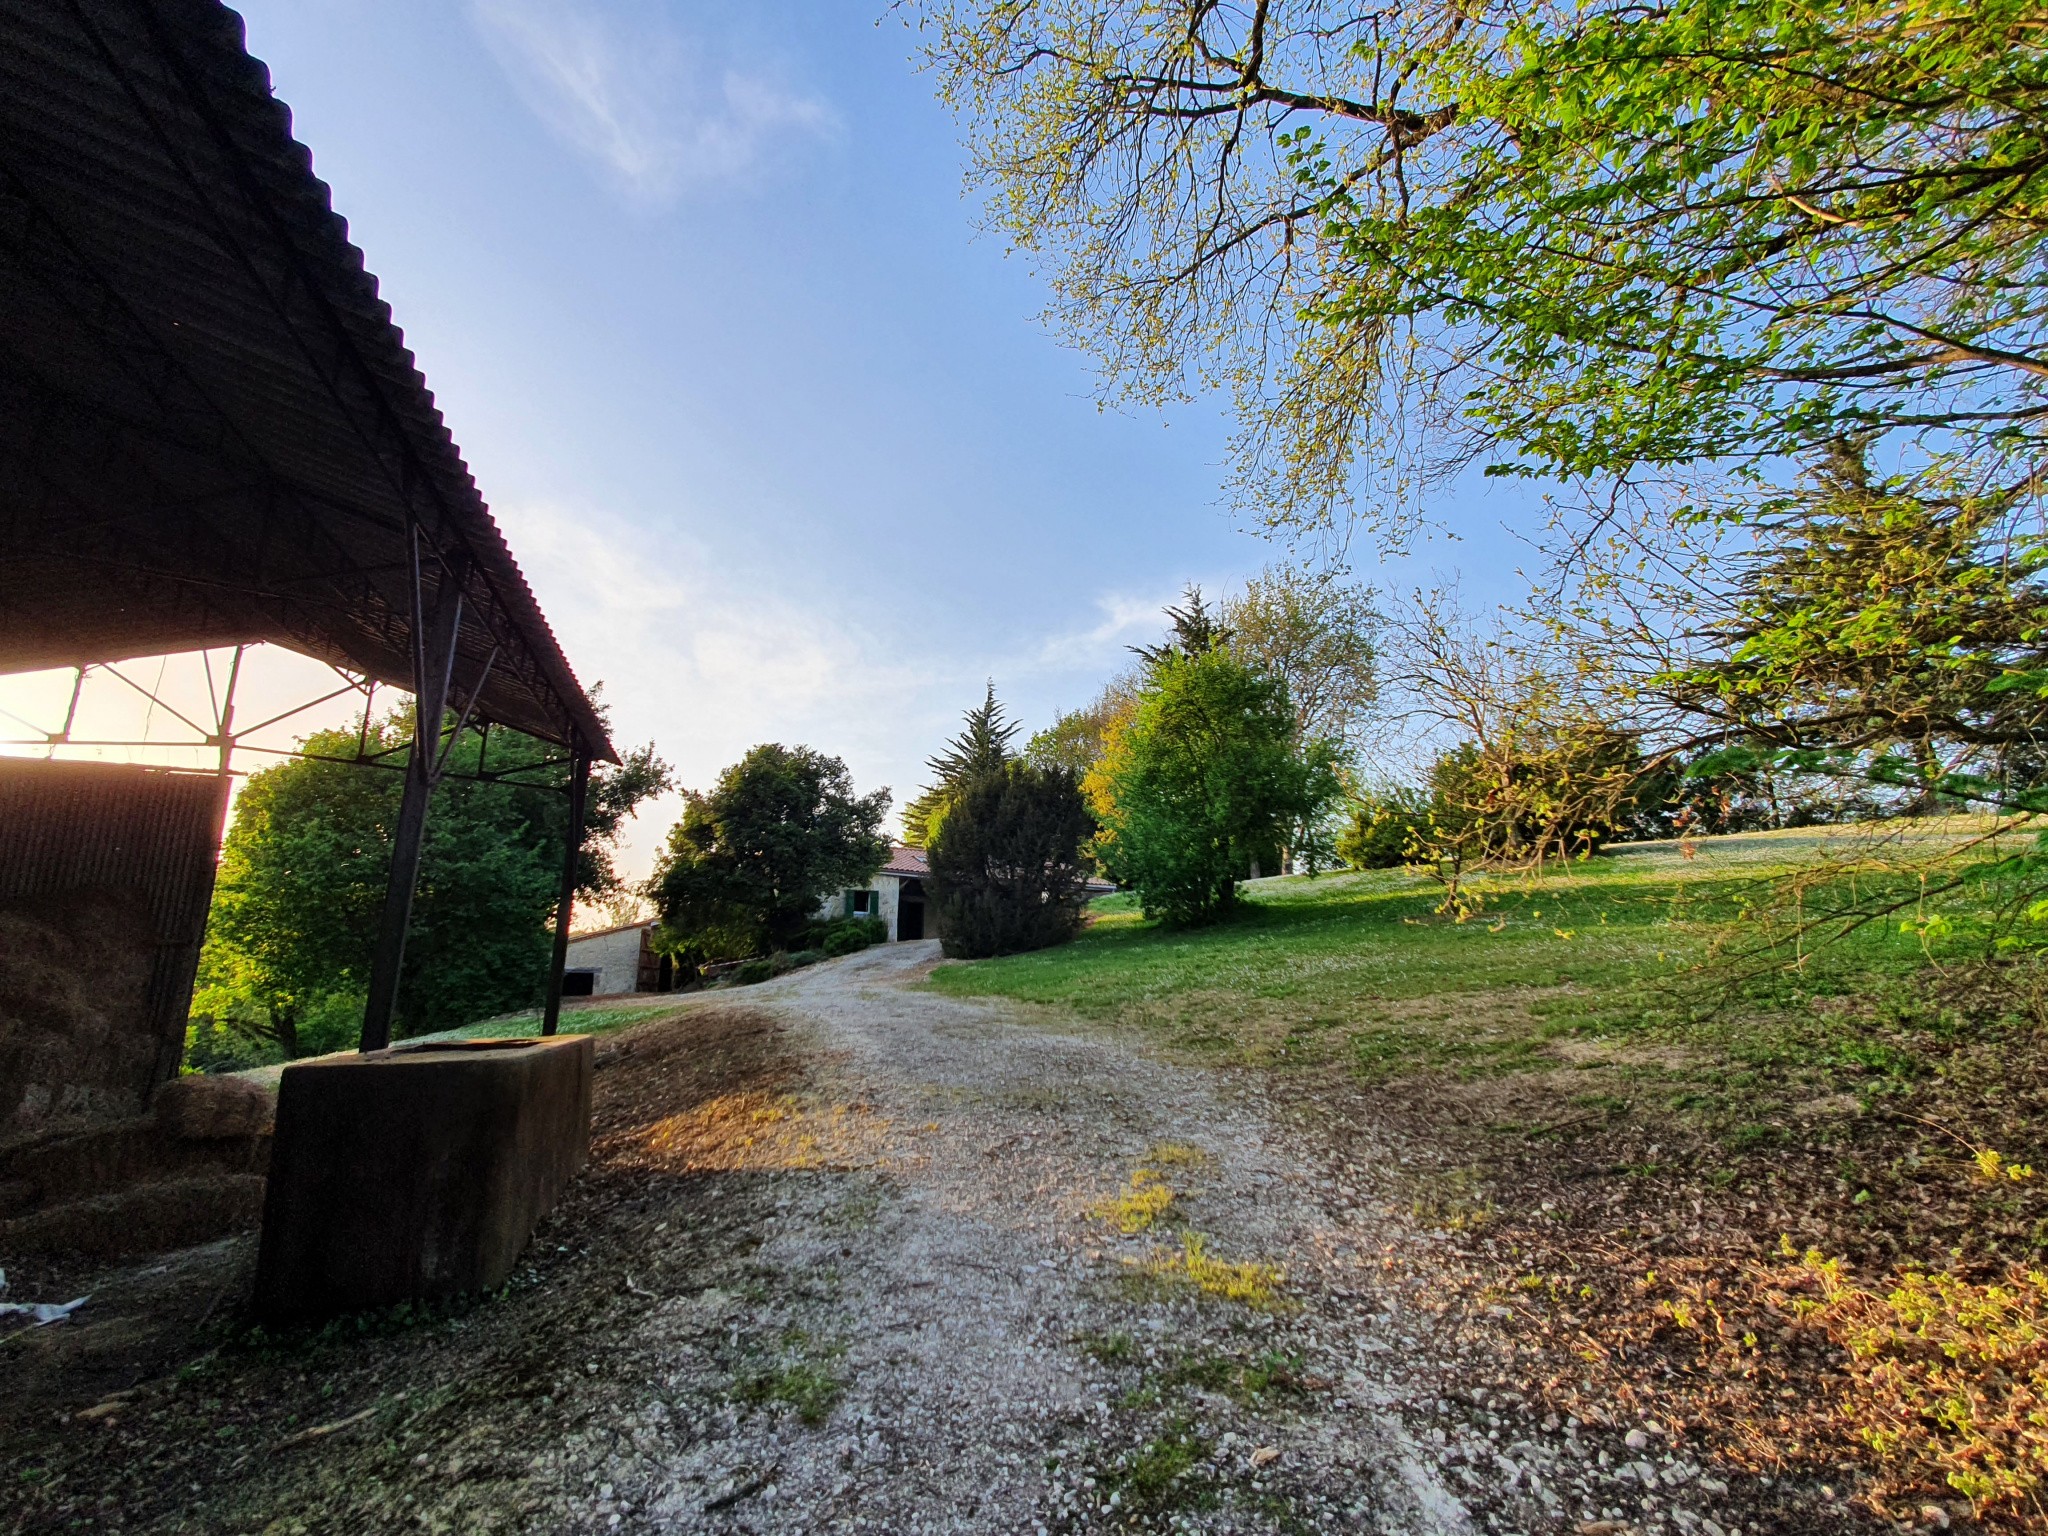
(599, 1017)
(1673, 970)
(1649, 1109)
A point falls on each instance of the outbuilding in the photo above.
(618, 960)
(896, 895)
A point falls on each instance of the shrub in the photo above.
(845, 935)
(1385, 829)
(803, 957)
(1008, 873)
(750, 971)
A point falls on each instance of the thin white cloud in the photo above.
(706, 667)
(708, 664)
(1125, 619)
(657, 112)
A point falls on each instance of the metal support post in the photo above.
(565, 907)
(433, 667)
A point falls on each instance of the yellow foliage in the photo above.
(1098, 784)
(1251, 1283)
(1949, 1373)
(1143, 1201)
(1993, 1166)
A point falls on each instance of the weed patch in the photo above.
(1108, 1348)
(1269, 1376)
(807, 1383)
(1250, 1283)
(1163, 1474)
(1949, 1377)
(1144, 1200)
(1454, 1201)
(1174, 1154)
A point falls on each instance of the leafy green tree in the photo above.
(304, 865)
(747, 865)
(1557, 239)
(1008, 871)
(1315, 632)
(982, 747)
(1384, 828)
(1078, 738)
(1205, 777)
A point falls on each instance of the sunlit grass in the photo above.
(1678, 967)
(762, 1130)
(593, 1019)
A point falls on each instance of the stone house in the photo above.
(896, 895)
(616, 960)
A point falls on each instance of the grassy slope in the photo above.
(1599, 964)
(1620, 1138)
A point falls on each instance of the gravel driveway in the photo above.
(857, 1256)
(992, 1354)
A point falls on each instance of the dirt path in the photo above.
(1007, 1361)
(843, 1264)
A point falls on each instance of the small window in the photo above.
(860, 903)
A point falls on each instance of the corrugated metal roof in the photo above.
(210, 428)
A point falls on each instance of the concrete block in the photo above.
(416, 1172)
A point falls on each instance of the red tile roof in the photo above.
(909, 863)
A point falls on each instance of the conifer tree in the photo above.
(1008, 871)
(1196, 631)
(982, 747)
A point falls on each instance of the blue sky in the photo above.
(771, 426)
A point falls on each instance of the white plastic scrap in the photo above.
(39, 1312)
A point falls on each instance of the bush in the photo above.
(1385, 829)
(847, 935)
(803, 957)
(1007, 869)
(844, 941)
(751, 971)
(229, 1031)
(212, 1045)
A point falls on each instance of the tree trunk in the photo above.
(284, 1029)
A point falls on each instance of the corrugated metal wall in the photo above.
(106, 873)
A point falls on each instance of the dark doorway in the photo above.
(910, 910)
(578, 983)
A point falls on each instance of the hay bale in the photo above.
(76, 1039)
(149, 1218)
(200, 1108)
